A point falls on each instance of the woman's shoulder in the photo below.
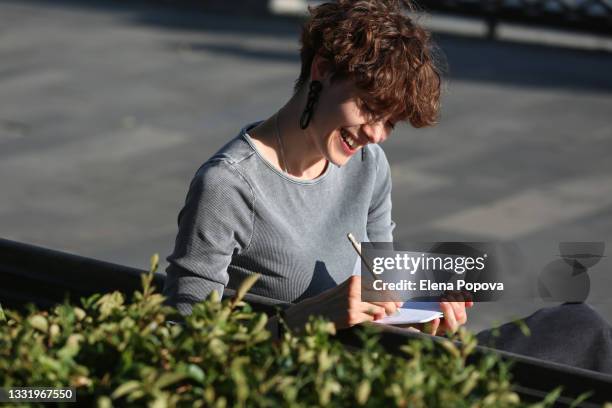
(375, 156)
(235, 151)
(368, 169)
(220, 184)
(225, 167)
(220, 174)
(376, 151)
(379, 167)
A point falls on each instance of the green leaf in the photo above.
(79, 313)
(108, 303)
(154, 263)
(196, 373)
(104, 402)
(520, 323)
(167, 379)
(580, 399)
(54, 331)
(50, 364)
(160, 402)
(125, 388)
(363, 392)
(450, 347)
(39, 322)
(71, 348)
(260, 324)
(244, 287)
(214, 297)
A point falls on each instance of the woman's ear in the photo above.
(320, 70)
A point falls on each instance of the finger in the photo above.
(469, 299)
(390, 307)
(371, 308)
(450, 323)
(435, 324)
(377, 312)
(432, 327)
(461, 296)
(366, 317)
(411, 327)
(464, 305)
(353, 284)
(455, 297)
(459, 311)
(419, 326)
(354, 318)
(456, 302)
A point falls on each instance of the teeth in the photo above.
(348, 139)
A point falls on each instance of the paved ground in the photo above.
(107, 110)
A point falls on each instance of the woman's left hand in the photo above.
(455, 315)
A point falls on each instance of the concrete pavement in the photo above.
(107, 109)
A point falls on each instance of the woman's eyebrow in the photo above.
(377, 116)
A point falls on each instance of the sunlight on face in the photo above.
(342, 125)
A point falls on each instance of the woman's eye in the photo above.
(366, 109)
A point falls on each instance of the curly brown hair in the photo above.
(389, 57)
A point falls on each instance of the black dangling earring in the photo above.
(313, 97)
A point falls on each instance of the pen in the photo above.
(357, 248)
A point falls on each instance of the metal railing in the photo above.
(32, 274)
(594, 16)
(585, 15)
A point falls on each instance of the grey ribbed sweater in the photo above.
(242, 215)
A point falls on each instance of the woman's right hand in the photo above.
(342, 305)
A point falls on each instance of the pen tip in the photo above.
(352, 238)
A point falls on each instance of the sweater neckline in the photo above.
(245, 135)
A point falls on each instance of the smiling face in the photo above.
(341, 124)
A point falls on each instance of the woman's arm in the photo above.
(380, 225)
(216, 222)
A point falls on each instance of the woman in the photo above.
(280, 197)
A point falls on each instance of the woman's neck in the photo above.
(289, 145)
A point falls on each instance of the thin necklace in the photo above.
(280, 143)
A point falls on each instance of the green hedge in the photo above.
(119, 354)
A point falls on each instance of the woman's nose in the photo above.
(375, 132)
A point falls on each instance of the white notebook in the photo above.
(413, 312)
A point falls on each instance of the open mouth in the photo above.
(349, 140)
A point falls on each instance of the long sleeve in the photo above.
(215, 223)
(380, 225)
